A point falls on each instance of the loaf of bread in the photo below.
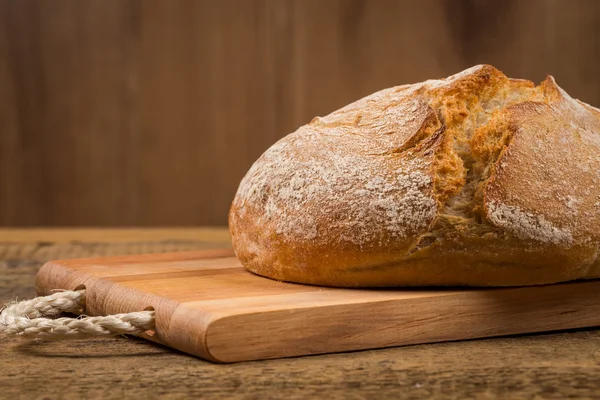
(472, 180)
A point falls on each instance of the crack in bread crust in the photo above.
(474, 113)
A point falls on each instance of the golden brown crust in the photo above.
(473, 180)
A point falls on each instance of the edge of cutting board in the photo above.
(380, 323)
(327, 320)
(192, 325)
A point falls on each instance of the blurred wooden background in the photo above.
(143, 112)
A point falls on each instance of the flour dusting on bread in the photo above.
(343, 178)
(527, 225)
(295, 191)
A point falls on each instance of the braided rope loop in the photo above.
(29, 319)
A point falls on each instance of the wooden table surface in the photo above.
(558, 365)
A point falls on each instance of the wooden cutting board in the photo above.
(209, 306)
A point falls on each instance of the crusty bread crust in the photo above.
(476, 180)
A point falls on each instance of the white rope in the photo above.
(26, 319)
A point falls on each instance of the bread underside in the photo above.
(476, 179)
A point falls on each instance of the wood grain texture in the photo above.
(550, 366)
(217, 235)
(131, 112)
(202, 299)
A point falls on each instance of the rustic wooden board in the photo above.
(209, 306)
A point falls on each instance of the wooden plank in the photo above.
(209, 306)
(150, 112)
(108, 235)
(69, 70)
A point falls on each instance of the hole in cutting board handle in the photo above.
(78, 288)
(151, 332)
